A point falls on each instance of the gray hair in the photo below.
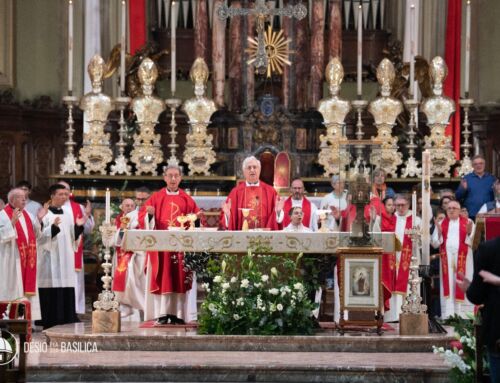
(13, 192)
(401, 196)
(172, 166)
(336, 178)
(249, 159)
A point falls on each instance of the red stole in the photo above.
(401, 286)
(388, 224)
(462, 256)
(167, 268)
(122, 261)
(261, 199)
(27, 251)
(306, 209)
(77, 213)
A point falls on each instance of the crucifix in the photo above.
(263, 13)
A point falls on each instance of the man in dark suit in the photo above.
(485, 289)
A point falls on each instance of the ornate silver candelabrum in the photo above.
(413, 301)
(466, 163)
(121, 165)
(69, 164)
(359, 106)
(411, 169)
(106, 300)
(334, 110)
(173, 104)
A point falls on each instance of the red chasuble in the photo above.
(167, 268)
(388, 224)
(306, 209)
(462, 256)
(401, 286)
(27, 251)
(261, 199)
(122, 261)
(77, 213)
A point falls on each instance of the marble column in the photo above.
(235, 60)
(201, 30)
(334, 30)
(301, 61)
(287, 93)
(250, 69)
(317, 52)
(218, 56)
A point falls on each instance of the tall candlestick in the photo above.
(107, 218)
(413, 208)
(426, 206)
(173, 22)
(467, 49)
(360, 51)
(412, 50)
(70, 46)
(123, 47)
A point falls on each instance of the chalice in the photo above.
(182, 219)
(323, 214)
(191, 217)
(245, 212)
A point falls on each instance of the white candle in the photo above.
(412, 49)
(123, 47)
(360, 50)
(413, 208)
(173, 22)
(426, 206)
(108, 207)
(70, 46)
(467, 48)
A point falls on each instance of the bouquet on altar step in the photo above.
(256, 294)
(461, 356)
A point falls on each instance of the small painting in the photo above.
(301, 139)
(232, 138)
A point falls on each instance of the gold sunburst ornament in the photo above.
(276, 50)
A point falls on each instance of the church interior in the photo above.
(110, 97)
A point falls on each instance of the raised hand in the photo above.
(226, 208)
(335, 212)
(469, 227)
(80, 221)
(16, 214)
(43, 211)
(57, 221)
(150, 209)
(437, 224)
(463, 183)
(280, 203)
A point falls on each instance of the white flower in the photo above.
(223, 266)
(264, 278)
(225, 286)
(279, 307)
(298, 286)
(257, 284)
(272, 308)
(245, 283)
(206, 286)
(236, 317)
(274, 271)
(217, 279)
(212, 307)
(234, 279)
(274, 291)
(239, 302)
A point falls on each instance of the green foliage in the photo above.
(256, 294)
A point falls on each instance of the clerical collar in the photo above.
(252, 184)
(171, 192)
(56, 210)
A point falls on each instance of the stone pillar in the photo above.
(334, 31)
(250, 69)
(317, 52)
(235, 60)
(201, 30)
(218, 56)
(301, 61)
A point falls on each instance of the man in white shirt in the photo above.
(336, 202)
(296, 215)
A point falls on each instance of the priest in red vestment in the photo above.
(167, 281)
(297, 199)
(259, 198)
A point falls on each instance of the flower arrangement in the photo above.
(462, 352)
(256, 295)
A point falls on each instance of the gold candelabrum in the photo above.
(121, 165)
(466, 163)
(438, 110)
(199, 153)
(70, 164)
(173, 104)
(334, 110)
(95, 152)
(147, 153)
(411, 168)
(385, 110)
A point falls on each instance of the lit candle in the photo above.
(413, 208)
(412, 49)
(426, 206)
(70, 46)
(360, 50)
(467, 48)
(108, 207)
(173, 22)
(123, 47)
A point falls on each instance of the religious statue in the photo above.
(199, 153)
(438, 110)
(385, 110)
(95, 152)
(147, 153)
(334, 110)
(359, 192)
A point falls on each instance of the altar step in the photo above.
(223, 366)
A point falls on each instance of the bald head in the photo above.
(127, 205)
(297, 189)
(65, 184)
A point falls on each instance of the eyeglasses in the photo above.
(452, 208)
(401, 204)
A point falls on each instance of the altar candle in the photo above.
(173, 22)
(412, 49)
(360, 50)
(70, 46)
(426, 206)
(467, 48)
(108, 207)
(413, 208)
(123, 47)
